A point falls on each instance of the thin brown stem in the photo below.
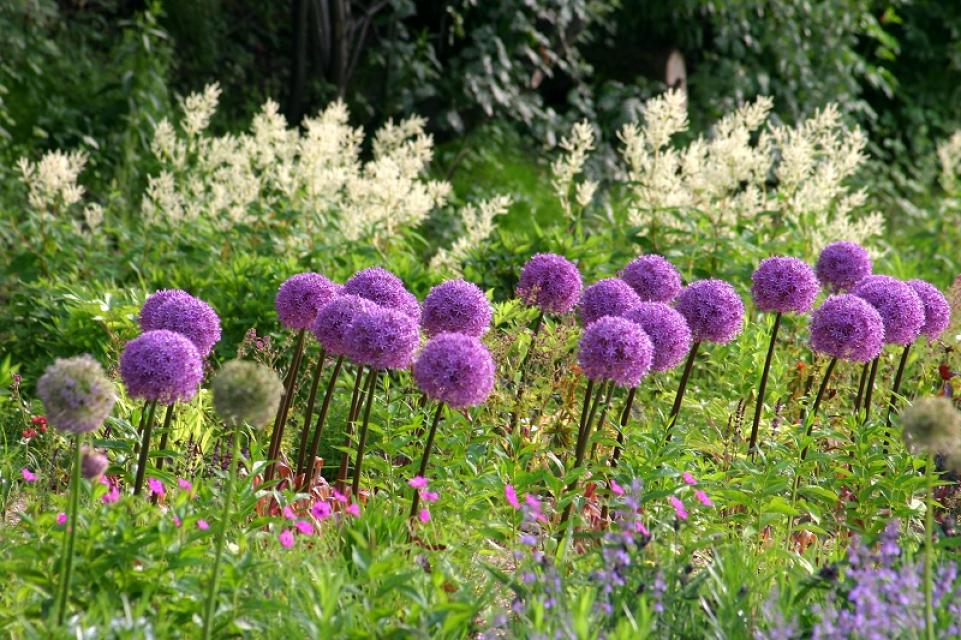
(869, 391)
(308, 464)
(521, 387)
(861, 381)
(422, 471)
(817, 402)
(362, 436)
(165, 435)
(144, 448)
(682, 387)
(581, 449)
(276, 436)
(349, 429)
(309, 414)
(762, 389)
(896, 386)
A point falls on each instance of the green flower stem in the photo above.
(221, 535)
(681, 388)
(362, 435)
(355, 401)
(144, 448)
(896, 386)
(308, 470)
(165, 434)
(277, 435)
(864, 377)
(309, 414)
(869, 391)
(929, 549)
(424, 459)
(70, 534)
(752, 444)
(521, 387)
(583, 437)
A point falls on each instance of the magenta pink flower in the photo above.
(185, 485)
(61, 518)
(177, 521)
(286, 538)
(424, 515)
(535, 507)
(321, 510)
(354, 510)
(305, 527)
(703, 499)
(429, 496)
(688, 478)
(202, 525)
(418, 482)
(679, 509)
(28, 475)
(339, 497)
(511, 496)
(641, 529)
(113, 495)
(289, 513)
(156, 487)
(616, 489)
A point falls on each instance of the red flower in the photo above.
(29, 433)
(40, 420)
(945, 372)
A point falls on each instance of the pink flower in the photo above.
(424, 515)
(641, 529)
(339, 497)
(177, 522)
(688, 478)
(418, 482)
(289, 513)
(184, 484)
(703, 499)
(354, 510)
(202, 525)
(679, 509)
(111, 496)
(616, 489)
(305, 527)
(28, 475)
(156, 487)
(321, 510)
(511, 496)
(535, 507)
(286, 538)
(61, 518)
(429, 496)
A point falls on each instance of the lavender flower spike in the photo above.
(456, 369)
(550, 282)
(301, 296)
(848, 328)
(76, 394)
(900, 307)
(456, 306)
(784, 285)
(713, 310)
(668, 331)
(615, 349)
(653, 278)
(608, 297)
(161, 366)
(382, 339)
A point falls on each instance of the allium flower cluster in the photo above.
(161, 366)
(937, 311)
(382, 338)
(246, 393)
(784, 285)
(713, 310)
(93, 463)
(653, 278)
(384, 288)
(550, 282)
(900, 307)
(615, 349)
(300, 297)
(334, 319)
(153, 304)
(668, 331)
(847, 327)
(455, 369)
(76, 394)
(608, 297)
(842, 265)
(456, 306)
(192, 318)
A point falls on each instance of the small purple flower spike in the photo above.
(900, 307)
(615, 349)
(161, 366)
(667, 330)
(937, 311)
(653, 278)
(608, 297)
(300, 297)
(848, 328)
(456, 306)
(842, 265)
(713, 310)
(383, 338)
(384, 288)
(456, 369)
(784, 285)
(550, 282)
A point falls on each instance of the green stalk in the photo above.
(309, 414)
(423, 461)
(682, 387)
(362, 436)
(356, 400)
(165, 435)
(277, 435)
(896, 386)
(929, 549)
(583, 438)
(869, 391)
(144, 449)
(308, 464)
(221, 535)
(70, 534)
(521, 387)
(752, 444)
(861, 381)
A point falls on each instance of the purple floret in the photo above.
(842, 265)
(382, 338)
(713, 310)
(784, 285)
(900, 307)
(615, 349)
(77, 396)
(653, 278)
(847, 327)
(937, 311)
(384, 288)
(608, 297)
(334, 319)
(161, 366)
(300, 297)
(456, 369)
(550, 282)
(192, 318)
(153, 304)
(668, 331)
(456, 306)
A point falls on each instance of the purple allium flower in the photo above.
(300, 297)
(384, 288)
(382, 339)
(246, 392)
(608, 297)
(550, 282)
(842, 265)
(76, 394)
(456, 306)
(900, 307)
(847, 327)
(154, 302)
(456, 369)
(93, 463)
(937, 311)
(334, 319)
(784, 285)
(667, 330)
(713, 310)
(615, 349)
(653, 278)
(161, 366)
(192, 318)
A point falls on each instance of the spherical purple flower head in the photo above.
(383, 338)
(76, 394)
(550, 282)
(192, 318)
(456, 369)
(456, 306)
(900, 307)
(161, 366)
(153, 304)
(384, 288)
(300, 297)
(784, 285)
(653, 278)
(937, 311)
(842, 265)
(668, 331)
(608, 297)
(713, 310)
(847, 327)
(615, 349)
(334, 319)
